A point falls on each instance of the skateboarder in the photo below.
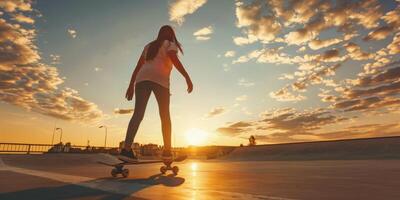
(152, 74)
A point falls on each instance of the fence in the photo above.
(56, 148)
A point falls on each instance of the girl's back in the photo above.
(159, 68)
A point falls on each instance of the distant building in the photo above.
(136, 148)
(150, 150)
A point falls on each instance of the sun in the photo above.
(196, 137)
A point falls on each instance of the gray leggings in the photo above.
(143, 90)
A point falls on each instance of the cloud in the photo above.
(244, 40)
(215, 112)
(296, 12)
(252, 55)
(386, 76)
(123, 111)
(302, 23)
(23, 19)
(369, 93)
(299, 37)
(27, 83)
(286, 76)
(347, 29)
(360, 131)
(234, 129)
(72, 32)
(392, 17)
(287, 119)
(203, 33)
(245, 83)
(356, 104)
(274, 56)
(178, 9)
(326, 97)
(310, 75)
(241, 98)
(379, 34)
(202, 38)
(262, 27)
(264, 21)
(332, 55)
(341, 16)
(307, 33)
(15, 5)
(386, 89)
(355, 52)
(284, 95)
(16, 46)
(287, 124)
(316, 76)
(301, 49)
(318, 44)
(229, 54)
(392, 20)
(394, 46)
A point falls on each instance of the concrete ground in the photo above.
(63, 176)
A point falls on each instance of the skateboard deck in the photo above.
(119, 166)
(139, 162)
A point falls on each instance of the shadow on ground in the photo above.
(104, 188)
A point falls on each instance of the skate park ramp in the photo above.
(352, 149)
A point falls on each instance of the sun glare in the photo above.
(196, 137)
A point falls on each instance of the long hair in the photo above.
(166, 33)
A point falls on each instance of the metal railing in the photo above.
(56, 148)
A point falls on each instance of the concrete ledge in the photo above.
(352, 149)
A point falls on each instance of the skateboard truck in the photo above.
(119, 169)
(167, 166)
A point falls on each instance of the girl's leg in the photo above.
(142, 94)
(162, 95)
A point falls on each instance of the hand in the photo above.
(129, 92)
(189, 85)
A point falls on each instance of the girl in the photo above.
(152, 74)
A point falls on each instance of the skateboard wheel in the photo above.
(175, 170)
(163, 169)
(114, 172)
(125, 173)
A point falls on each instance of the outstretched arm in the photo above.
(131, 89)
(178, 65)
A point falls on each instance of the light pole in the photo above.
(52, 140)
(105, 139)
(60, 133)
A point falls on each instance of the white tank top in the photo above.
(159, 69)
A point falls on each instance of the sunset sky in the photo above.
(283, 71)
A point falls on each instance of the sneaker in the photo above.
(127, 156)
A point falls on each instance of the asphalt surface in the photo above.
(62, 176)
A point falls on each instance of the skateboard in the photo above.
(119, 167)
